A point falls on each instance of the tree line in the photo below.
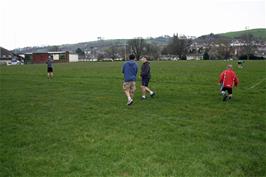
(179, 47)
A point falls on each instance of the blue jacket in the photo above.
(130, 70)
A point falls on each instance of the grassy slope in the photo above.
(258, 33)
(78, 123)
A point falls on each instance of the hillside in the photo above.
(160, 41)
(259, 33)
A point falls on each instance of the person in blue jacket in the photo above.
(130, 70)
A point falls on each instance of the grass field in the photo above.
(78, 124)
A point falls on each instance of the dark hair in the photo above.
(131, 56)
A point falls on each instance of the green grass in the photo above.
(78, 124)
(259, 33)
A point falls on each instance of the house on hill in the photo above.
(7, 56)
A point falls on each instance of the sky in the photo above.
(26, 23)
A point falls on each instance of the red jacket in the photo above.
(228, 78)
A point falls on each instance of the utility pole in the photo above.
(247, 42)
(125, 50)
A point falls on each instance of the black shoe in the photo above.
(225, 97)
(153, 94)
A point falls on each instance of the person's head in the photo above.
(144, 59)
(229, 66)
(132, 57)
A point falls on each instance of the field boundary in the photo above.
(258, 83)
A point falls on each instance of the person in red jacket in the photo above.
(228, 80)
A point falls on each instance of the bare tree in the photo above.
(248, 44)
(152, 50)
(137, 46)
(178, 47)
(112, 52)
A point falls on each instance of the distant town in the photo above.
(240, 45)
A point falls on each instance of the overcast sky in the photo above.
(53, 22)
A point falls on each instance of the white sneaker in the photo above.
(152, 94)
(129, 102)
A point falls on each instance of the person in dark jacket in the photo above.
(50, 67)
(145, 78)
(130, 70)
